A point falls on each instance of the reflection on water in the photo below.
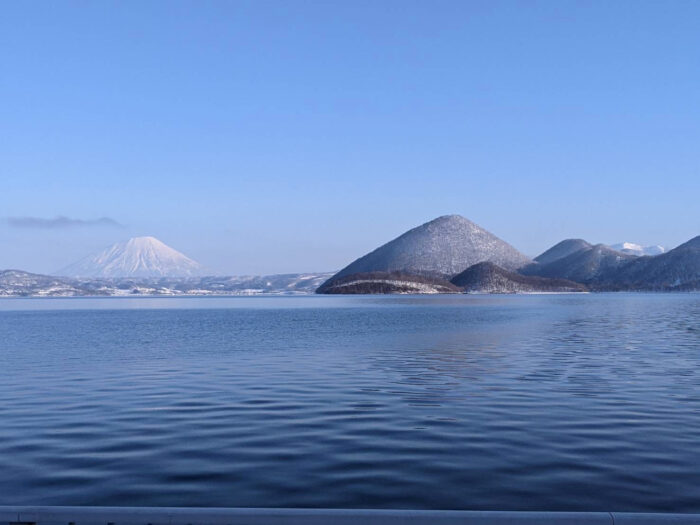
(582, 402)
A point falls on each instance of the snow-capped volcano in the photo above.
(637, 249)
(137, 257)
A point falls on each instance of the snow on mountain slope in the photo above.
(638, 249)
(441, 248)
(137, 257)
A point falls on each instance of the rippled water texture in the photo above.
(581, 402)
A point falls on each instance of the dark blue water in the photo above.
(576, 402)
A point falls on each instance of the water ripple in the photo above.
(534, 403)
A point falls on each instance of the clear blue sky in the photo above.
(262, 136)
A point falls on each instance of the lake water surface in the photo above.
(548, 402)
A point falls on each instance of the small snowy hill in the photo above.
(137, 257)
(486, 277)
(563, 249)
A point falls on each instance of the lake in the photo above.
(539, 402)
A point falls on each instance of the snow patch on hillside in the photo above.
(637, 249)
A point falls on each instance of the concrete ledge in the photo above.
(244, 516)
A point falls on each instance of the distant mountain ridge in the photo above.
(19, 283)
(137, 257)
(675, 269)
(606, 269)
(583, 266)
(16, 283)
(638, 249)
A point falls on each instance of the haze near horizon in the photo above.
(280, 137)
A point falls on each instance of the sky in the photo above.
(292, 136)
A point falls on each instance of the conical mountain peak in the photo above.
(442, 247)
(136, 257)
